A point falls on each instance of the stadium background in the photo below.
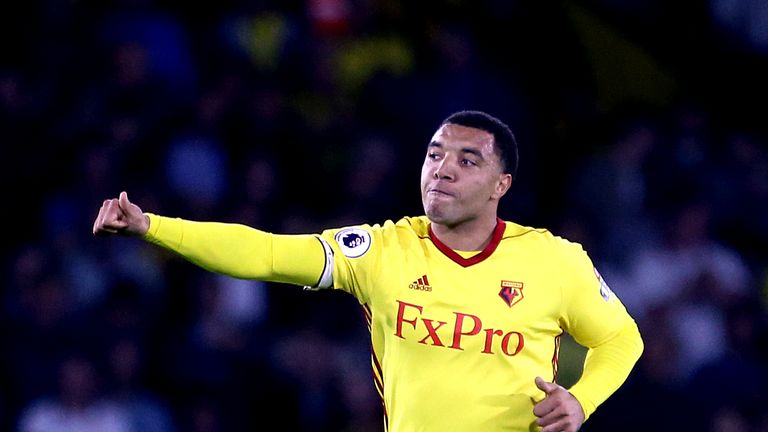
(642, 135)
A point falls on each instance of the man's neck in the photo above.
(466, 236)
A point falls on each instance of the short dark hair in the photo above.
(503, 138)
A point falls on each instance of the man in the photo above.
(465, 310)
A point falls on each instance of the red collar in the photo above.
(498, 233)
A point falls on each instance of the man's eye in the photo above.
(433, 155)
(468, 162)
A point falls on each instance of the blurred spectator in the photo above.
(739, 193)
(205, 416)
(196, 168)
(207, 356)
(690, 279)
(39, 323)
(372, 182)
(78, 406)
(610, 191)
(720, 387)
(300, 357)
(745, 22)
(145, 411)
(153, 42)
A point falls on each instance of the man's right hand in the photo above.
(120, 216)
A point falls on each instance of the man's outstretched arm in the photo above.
(232, 249)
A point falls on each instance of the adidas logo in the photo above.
(421, 284)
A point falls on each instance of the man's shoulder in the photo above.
(541, 236)
(514, 230)
(406, 226)
(419, 225)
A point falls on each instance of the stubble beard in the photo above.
(439, 213)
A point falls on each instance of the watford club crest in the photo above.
(511, 292)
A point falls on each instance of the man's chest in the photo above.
(490, 307)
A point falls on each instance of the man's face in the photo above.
(462, 177)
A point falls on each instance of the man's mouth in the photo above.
(436, 191)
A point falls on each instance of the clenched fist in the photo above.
(120, 216)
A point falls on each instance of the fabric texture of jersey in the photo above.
(458, 338)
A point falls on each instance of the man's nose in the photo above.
(444, 170)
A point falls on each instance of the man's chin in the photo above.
(437, 217)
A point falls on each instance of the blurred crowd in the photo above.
(295, 116)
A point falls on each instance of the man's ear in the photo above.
(502, 185)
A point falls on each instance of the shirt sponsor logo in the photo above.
(421, 284)
(412, 324)
(354, 242)
(511, 292)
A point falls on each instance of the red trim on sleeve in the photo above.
(556, 358)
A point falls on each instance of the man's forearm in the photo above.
(606, 367)
(240, 251)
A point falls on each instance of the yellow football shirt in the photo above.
(458, 337)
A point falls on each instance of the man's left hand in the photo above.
(559, 411)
